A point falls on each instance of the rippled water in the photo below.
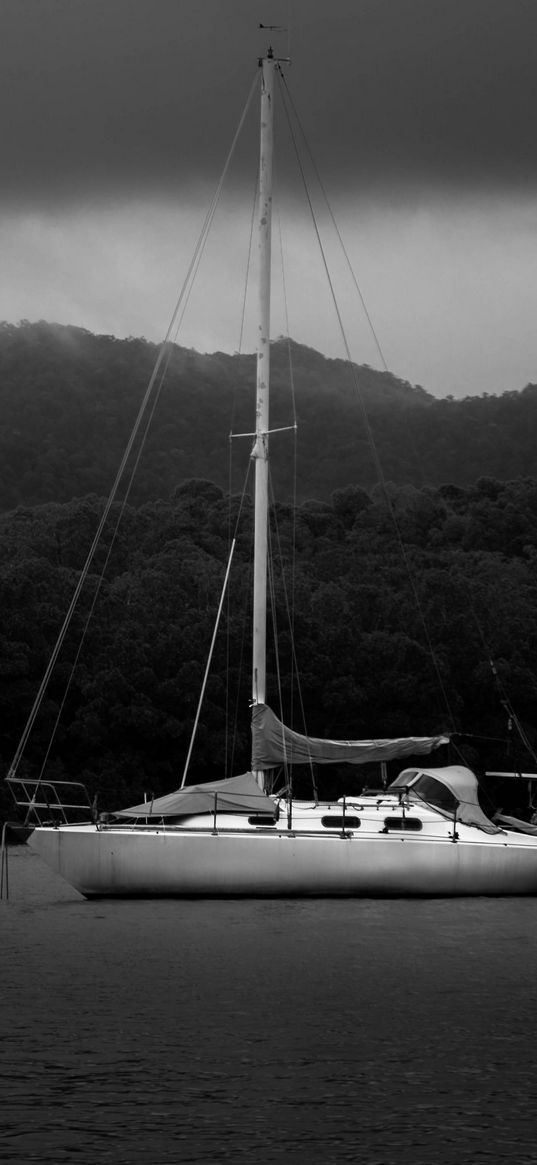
(325, 1031)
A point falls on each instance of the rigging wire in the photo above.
(290, 605)
(370, 437)
(295, 671)
(159, 370)
(272, 595)
(102, 574)
(208, 664)
(365, 309)
(333, 219)
(230, 486)
(512, 717)
(233, 540)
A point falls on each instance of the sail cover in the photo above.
(274, 744)
(234, 795)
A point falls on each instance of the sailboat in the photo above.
(425, 834)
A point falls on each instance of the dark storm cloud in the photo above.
(116, 97)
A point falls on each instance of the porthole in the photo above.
(346, 822)
(412, 824)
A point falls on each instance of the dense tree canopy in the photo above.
(397, 607)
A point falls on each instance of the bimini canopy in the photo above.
(447, 789)
(234, 795)
(274, 744)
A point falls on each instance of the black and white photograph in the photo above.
(268, 581)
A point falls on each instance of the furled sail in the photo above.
(274, 744)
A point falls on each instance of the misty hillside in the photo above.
(68, 400)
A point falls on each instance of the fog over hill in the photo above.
(69, 399)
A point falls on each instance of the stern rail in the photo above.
(51, 802)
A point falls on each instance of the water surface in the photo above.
(324, 1031)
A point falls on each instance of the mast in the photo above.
(260, 450)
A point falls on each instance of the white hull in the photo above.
(183, 863)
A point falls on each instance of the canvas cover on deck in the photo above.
(461, 782)
(274, 744)
(515, 823)
(234, 795)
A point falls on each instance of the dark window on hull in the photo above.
(262, 819)
(412, 824)
(340, 822)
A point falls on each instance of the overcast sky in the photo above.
(116, 117)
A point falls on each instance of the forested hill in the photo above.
(120, 707)
(68, 400)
